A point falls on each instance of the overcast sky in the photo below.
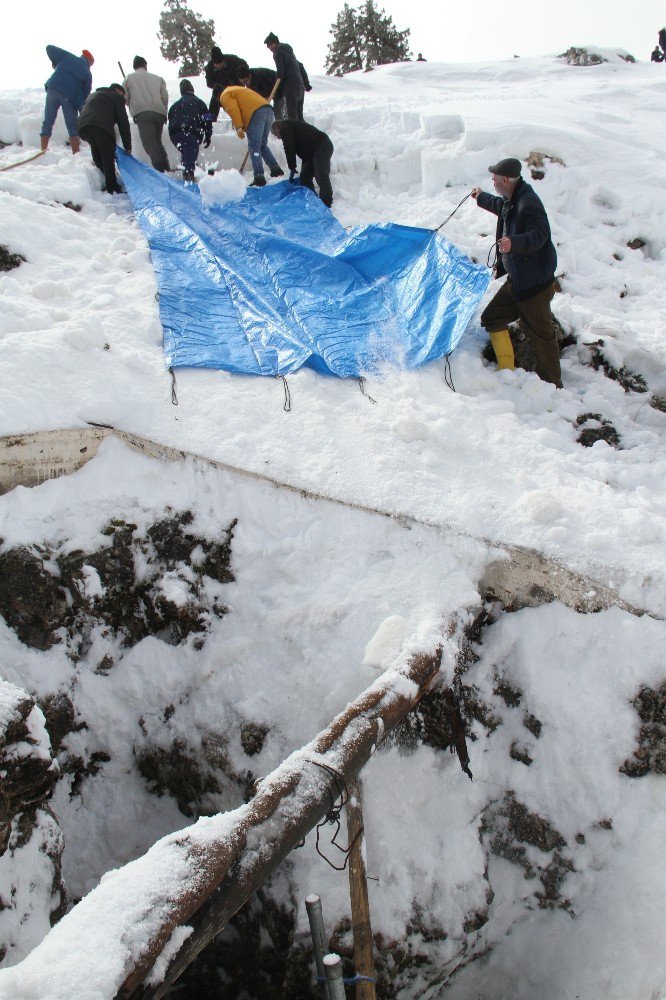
(454, 32)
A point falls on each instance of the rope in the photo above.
(287, 394)
(351, 981)
(174, 396)
(361, 384)
(454, 211)
(22, 162)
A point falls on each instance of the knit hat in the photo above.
(507, 168)
(186, 87)
(216, 54)
(271, 38)
(139, 63)
(88, 56)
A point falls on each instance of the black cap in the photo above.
(270, 38)
(216, 54)
(507, 168)
(186, 87)
(139, 63)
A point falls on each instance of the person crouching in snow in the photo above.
(253, 116)
(190, 123)
(66, 88)
(528, 258)
(315, 150)
(101, 113)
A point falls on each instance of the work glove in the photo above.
(240, 133)
(293, 177)
(206, 143)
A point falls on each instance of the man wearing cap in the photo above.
(97, 126)
(223, 70)
(67, 88)
(291, 90)
(527, 256)
(190, 123)
(148, 102)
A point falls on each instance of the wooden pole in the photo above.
(364, 963)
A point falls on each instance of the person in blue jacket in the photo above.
(68, 88)
(527, 257)
(190, 123)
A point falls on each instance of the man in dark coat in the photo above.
(662, 39)
(223, 70)
(259, 79)
(527, 256)
(101, 113)
(657, 55)
(190, 123)
(292, 88)
(314, 149)
(67, 88)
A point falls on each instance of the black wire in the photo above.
(448, 374)
(333, 816)
(287, 394)
(367, 395)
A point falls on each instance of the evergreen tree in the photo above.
(365, 37)
(185, 36)
(344, 52)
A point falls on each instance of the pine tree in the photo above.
(185, 36)
(345, 53)
(365, 37)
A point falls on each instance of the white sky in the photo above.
(452, 32)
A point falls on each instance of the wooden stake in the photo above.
(364, 963)
(333, 968)
(316, 918)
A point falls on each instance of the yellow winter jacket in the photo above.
(240, 103)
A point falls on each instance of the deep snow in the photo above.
(497, 461)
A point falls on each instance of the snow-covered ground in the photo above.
(495, 462)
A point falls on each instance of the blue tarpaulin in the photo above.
(273, 282)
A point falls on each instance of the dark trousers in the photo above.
(188, 147)
(319, 168)
(293, 95)
(103, 149)
(537, 323)
(214, 106)
(150, 125)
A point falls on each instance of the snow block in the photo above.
(438, 124)
(273, 282)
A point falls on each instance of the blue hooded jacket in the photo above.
(190, 116)
(72, 77)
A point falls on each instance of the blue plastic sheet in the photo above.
(273, 282)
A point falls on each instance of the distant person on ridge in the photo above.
(420, 58)
(251, 114)
(527, 256)
(315, 150)
(148, 102)
(292, 88)
(223, 70)
(97, 126)
(657, 55)
(67, 88)
(190, 124)
(662, 40)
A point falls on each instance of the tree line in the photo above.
(363, 37)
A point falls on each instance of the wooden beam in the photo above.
(286, 806)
